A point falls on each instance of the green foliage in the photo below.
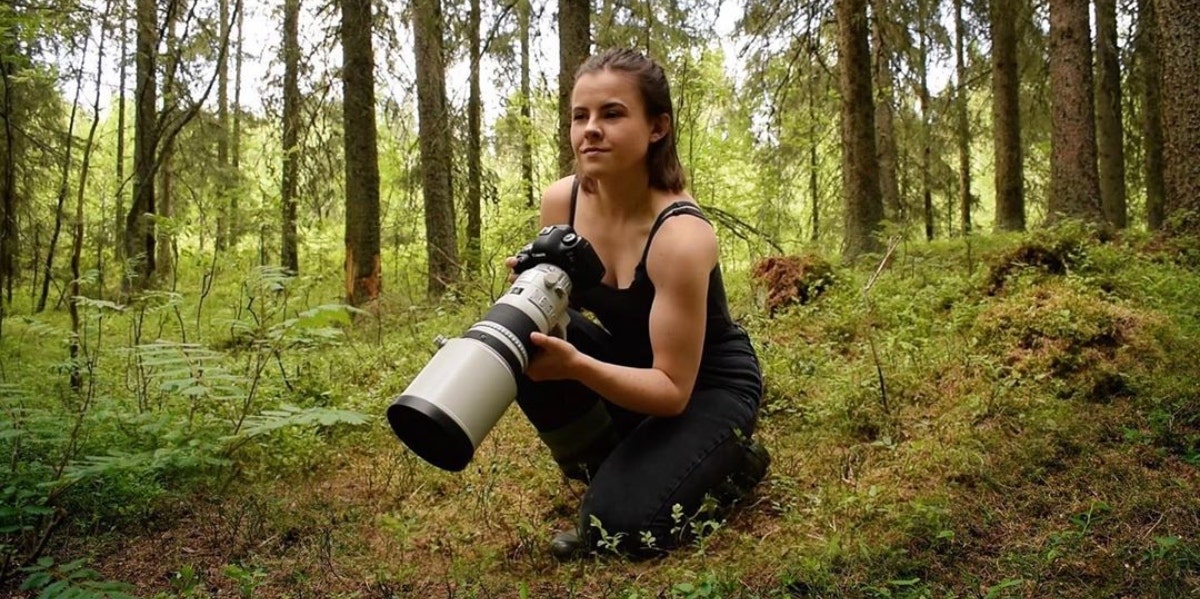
(166, 412)
(1002, 421)
(72, 580)
(248, 580)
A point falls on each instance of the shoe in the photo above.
(755, 463)
(754, 469)
(567, 546)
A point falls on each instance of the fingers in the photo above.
(510, 263)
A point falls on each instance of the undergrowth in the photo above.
(1010, 416)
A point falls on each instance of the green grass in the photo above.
(966, 427)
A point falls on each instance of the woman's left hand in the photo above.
(555, 359)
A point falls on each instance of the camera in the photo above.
(455, 400)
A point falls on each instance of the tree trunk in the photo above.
(814, 188)
(574, 44)
(1152, 133)
(1006, 118)
(474, 183)
(440, 234)
(64, 188)
(1074, 182)
(165, 198)
(526, 106)
(363, 266)
(860, 170)
(8, 188)
(1110, 139)
(235, 145)
(885, 134)
(122, 189)
(139, 229)
(289, 251)
(926, 134)
(223, 131)
(1179, 51)
(76, 376)
(963, 125)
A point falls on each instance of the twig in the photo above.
(883, 396)
(738, 226)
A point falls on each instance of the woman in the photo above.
(655, 408)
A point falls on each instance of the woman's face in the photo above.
(610, 131)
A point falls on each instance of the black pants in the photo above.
(648, 476)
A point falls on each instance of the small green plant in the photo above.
(248, 580)
(606, 542)
(648, 541)
(1000, 589)
(72, 579)
(694, 590)
(185, 582)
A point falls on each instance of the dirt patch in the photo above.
(789, 280)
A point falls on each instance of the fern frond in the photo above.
(288, 416)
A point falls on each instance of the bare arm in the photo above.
(556, 203)
(683, 254)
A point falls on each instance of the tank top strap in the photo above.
(674, 209)
(574, 199)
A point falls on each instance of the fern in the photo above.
(99, 305)
(189, 370)
(288, 416)
(39, 329)
(316, 327)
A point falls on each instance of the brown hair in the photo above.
(662, 159)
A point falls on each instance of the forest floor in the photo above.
(1006, 417)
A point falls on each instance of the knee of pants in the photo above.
(650, 514)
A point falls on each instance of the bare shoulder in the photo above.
(683, 243)
(556, 202)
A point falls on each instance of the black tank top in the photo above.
(625, 313)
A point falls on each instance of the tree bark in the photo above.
(1074, 182)
(963, 125)
(235, 144)
(1110, 139)
(165, 197)
(441, 236)
(860, 170)
(363, 265)
(139, 228)
(289, 251)
(223, 131)
(574, 44)
(885, 134)
(1152, 133)
(474, 168)
(1179, 51)
(1006, 118)
(76, 376)
(926, 134)
(526, 106)
(64, 188)
(814, 188)
(8, 188)
(119, 224)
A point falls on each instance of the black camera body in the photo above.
(561, 246)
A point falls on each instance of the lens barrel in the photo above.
(453, 403)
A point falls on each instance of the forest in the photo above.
(964, 236)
